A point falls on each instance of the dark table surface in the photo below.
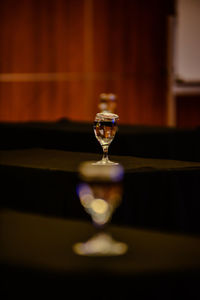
(160, 194)
(36, 254)
(135, 140)
(69, 161)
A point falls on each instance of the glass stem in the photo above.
(105, 153)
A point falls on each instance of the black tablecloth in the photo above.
(134, 140)
(36, 259)
(161, 194)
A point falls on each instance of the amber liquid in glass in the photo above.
(105, 131)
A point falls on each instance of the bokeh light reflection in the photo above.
(100, 191)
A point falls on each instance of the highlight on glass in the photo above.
(100, 192)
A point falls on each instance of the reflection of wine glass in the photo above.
(105, 127)
(100, 192)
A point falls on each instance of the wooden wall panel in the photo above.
(57, 56)
(130, 45)
(29, 101)
(41, 36)
(188, 111)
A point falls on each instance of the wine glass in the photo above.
(100, 192)
(105, 127)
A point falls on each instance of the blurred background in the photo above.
(57, 56)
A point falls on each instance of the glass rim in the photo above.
(107, 115)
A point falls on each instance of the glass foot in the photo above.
(100, 245)
(103, 162)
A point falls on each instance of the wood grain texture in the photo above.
(70, 51)
(41, 36)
